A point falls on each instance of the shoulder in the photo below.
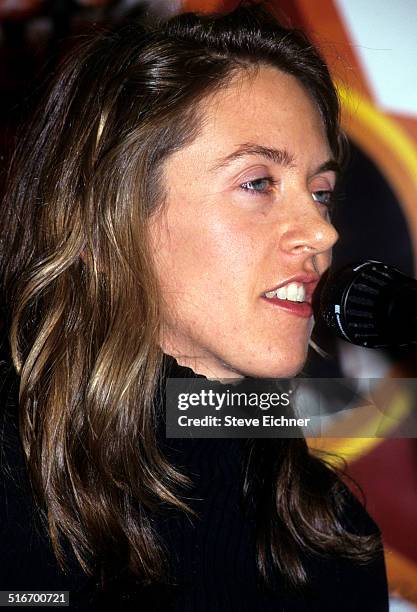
(340, 581)
(353, 512)
(342, 493)
(28, 560)
(365, 581)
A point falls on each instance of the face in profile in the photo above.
(245, 233)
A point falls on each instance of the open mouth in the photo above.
(293, 292)
(294, 296)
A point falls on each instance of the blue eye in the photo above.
(259, 186)
(324, 197)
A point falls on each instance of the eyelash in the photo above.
(269, 179)
(330, 195)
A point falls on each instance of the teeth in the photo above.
(301, 294)
(292, 291)
(295, 292)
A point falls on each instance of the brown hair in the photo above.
(80, 287)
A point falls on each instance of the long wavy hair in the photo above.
(83, 298)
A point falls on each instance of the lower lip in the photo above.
(300, 309)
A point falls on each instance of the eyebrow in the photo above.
(281, 157)
(331, 165)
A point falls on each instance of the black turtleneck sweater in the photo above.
(212, 557)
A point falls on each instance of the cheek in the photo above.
(204, 257)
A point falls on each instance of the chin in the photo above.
(277, 366)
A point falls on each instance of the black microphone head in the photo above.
(367, 303)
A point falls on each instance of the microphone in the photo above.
(368, 303)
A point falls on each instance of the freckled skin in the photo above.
(219, 246)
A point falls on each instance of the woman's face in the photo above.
(246, 213)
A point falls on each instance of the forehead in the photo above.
(265, 106)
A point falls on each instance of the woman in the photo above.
(176, 178)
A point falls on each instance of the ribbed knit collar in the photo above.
(172, 369)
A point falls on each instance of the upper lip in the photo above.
(309, 280)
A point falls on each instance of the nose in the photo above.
(310, 232)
